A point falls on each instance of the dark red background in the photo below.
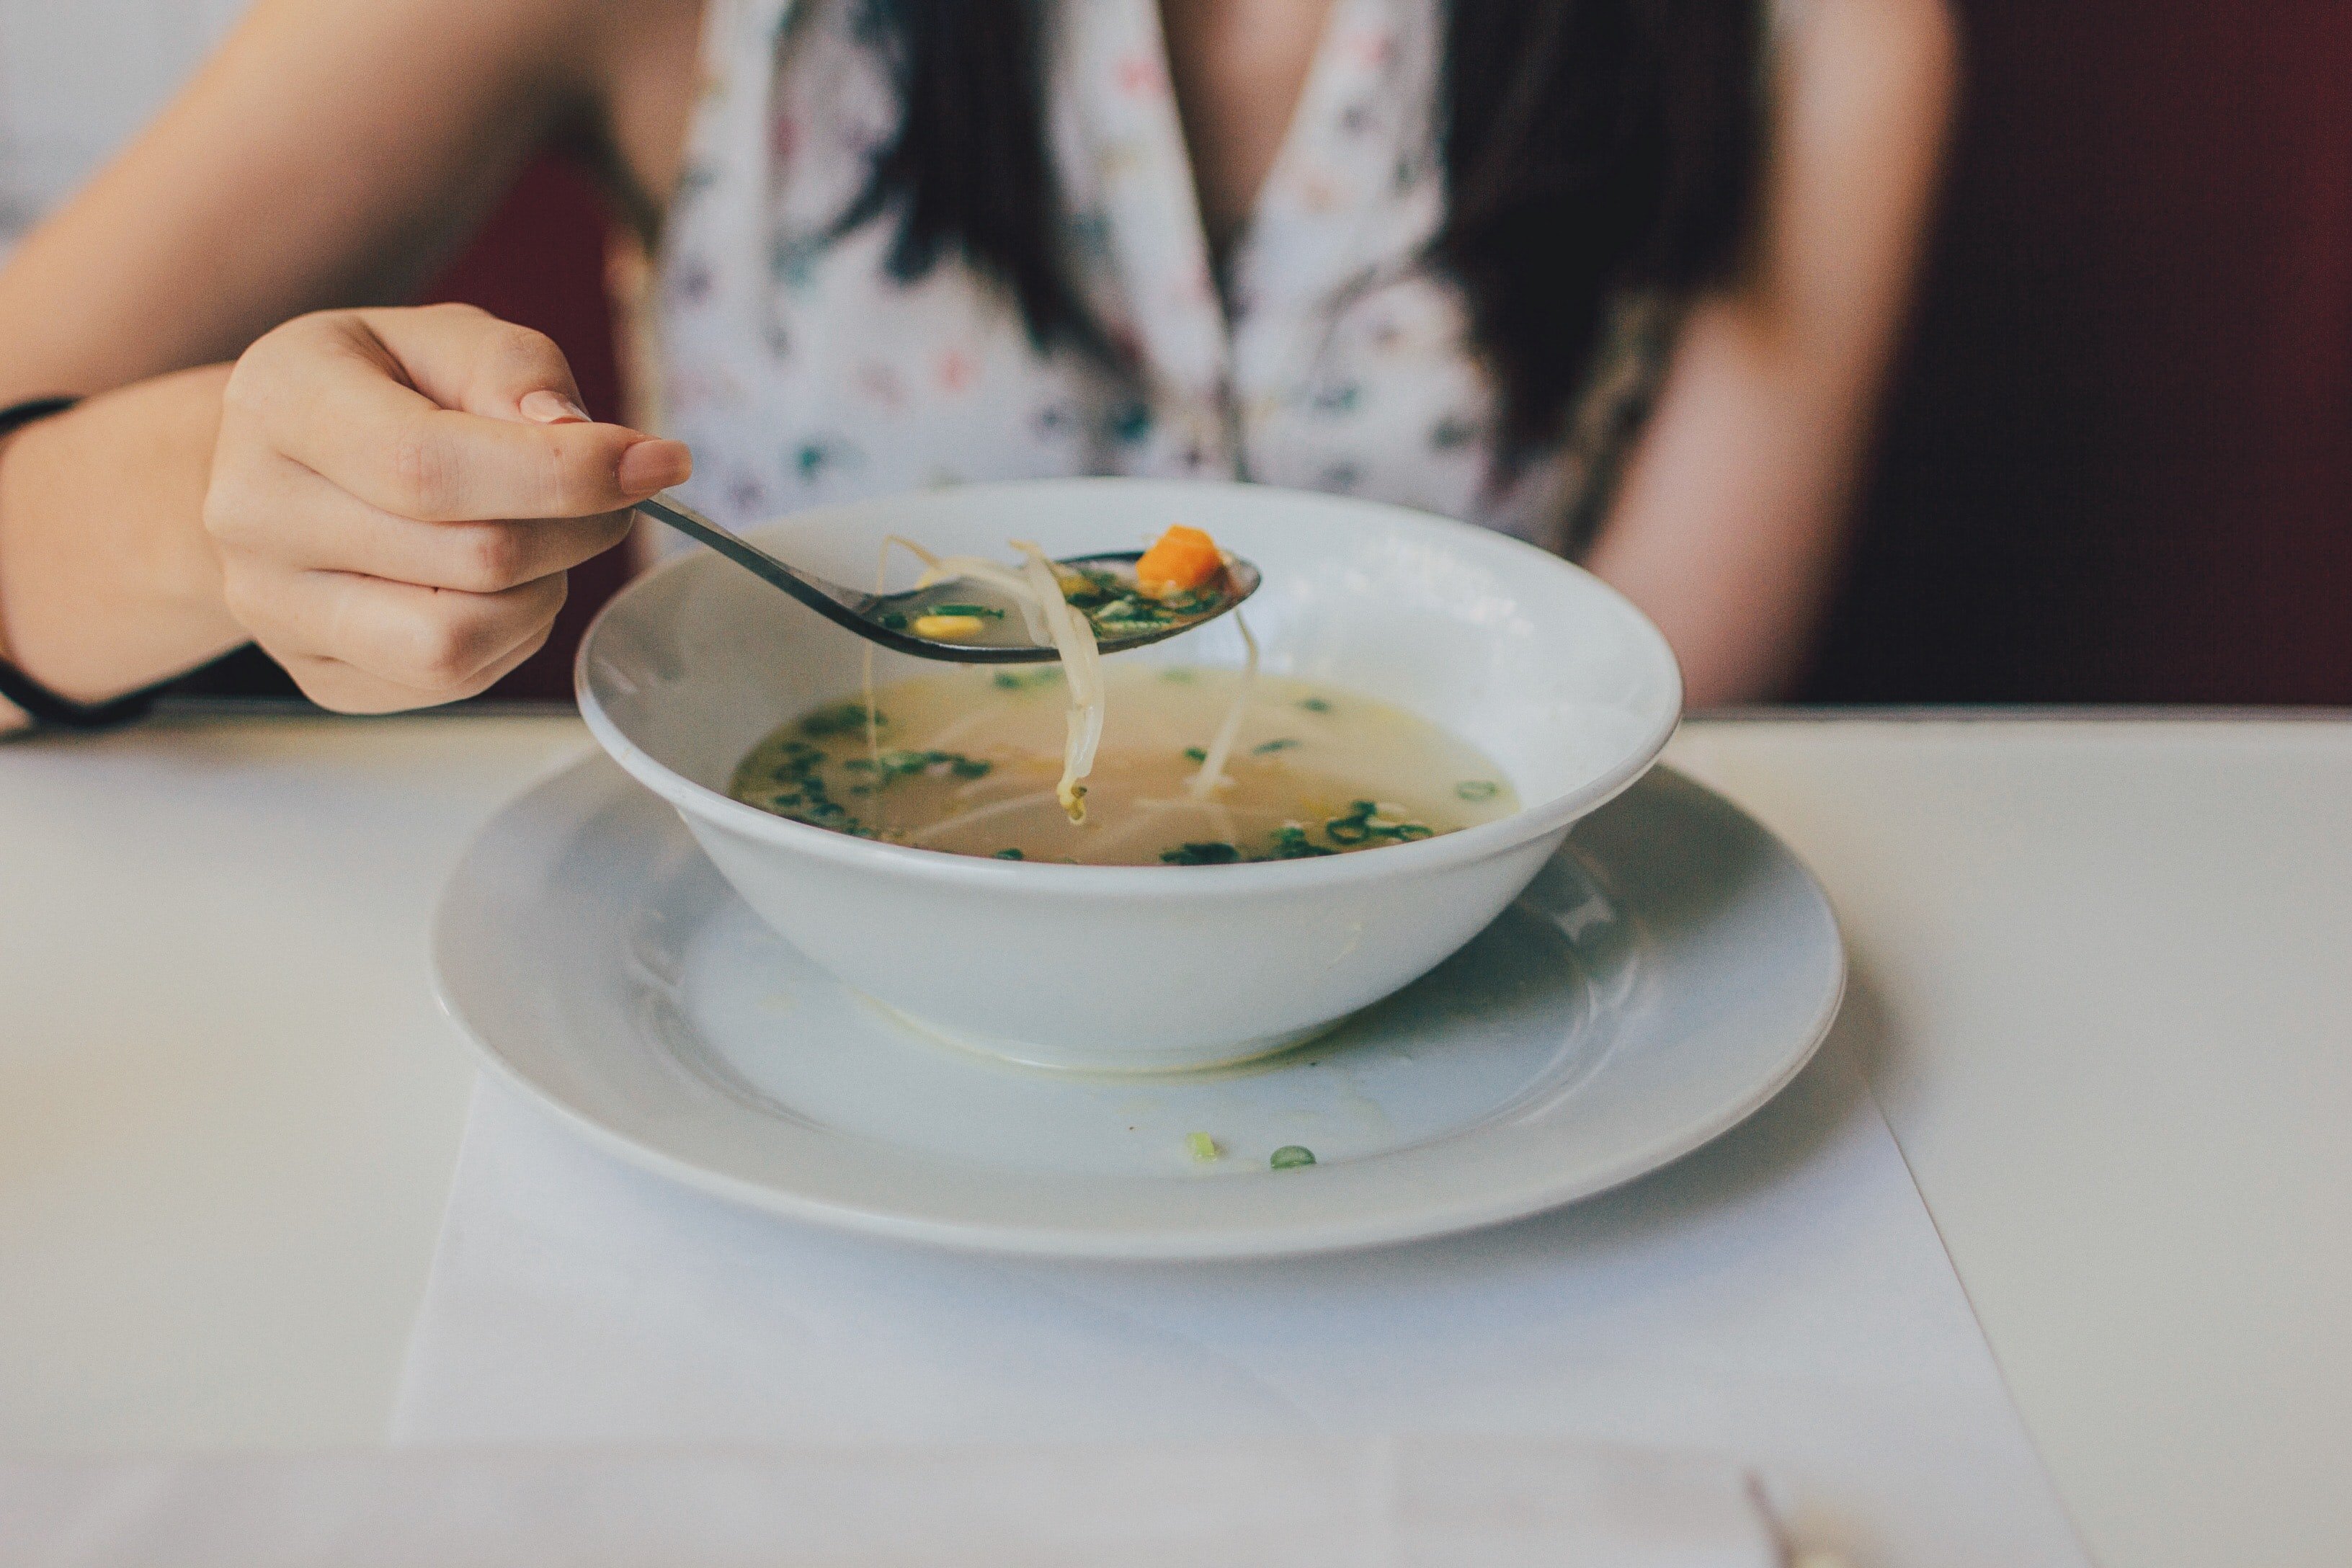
(2119, 467)
(2118, 464)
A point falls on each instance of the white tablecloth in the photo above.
(2100, 961)
(1285, 1503)
(1779, 1299)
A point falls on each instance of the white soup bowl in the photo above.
(1555, 676)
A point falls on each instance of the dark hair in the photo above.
(1590, 147)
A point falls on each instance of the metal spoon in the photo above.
(872, 615)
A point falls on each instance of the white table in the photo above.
(2106, 966)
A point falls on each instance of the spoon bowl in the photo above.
(999, 634)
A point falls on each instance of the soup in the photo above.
(967, 761)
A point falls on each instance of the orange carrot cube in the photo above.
(1180, 561)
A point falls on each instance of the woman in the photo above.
(1622, 276)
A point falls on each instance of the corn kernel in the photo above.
(948, 628)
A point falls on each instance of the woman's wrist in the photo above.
(107, 580)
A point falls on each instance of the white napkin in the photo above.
(1297, 1504)
(1781, 1297)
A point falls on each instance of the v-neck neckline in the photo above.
(1214, 360)
(1299, 131)
(1285, 149)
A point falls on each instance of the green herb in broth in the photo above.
(1370, 821)
(840, 718)
(967, 761)
(891, 766)
(1291, 843)
(793, 784)
(1117, 610)
(1212, 854)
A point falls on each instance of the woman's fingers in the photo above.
(290, 514)
(468, 359)
(419, 645)
(346, 689)
(346, 394)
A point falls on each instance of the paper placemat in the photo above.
(1779, 1299)
(1304, 1503)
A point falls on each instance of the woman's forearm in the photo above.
(1734, 512)
(107, 580)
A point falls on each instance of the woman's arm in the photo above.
(107, 580)
(330, 155)
(1731, 521)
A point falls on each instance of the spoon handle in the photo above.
(838, 605)
(821, 596)
(859, 612)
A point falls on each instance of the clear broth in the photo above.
(966, 761)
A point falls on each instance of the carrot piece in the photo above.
(1183, 559)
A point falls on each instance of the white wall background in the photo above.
(78, 79)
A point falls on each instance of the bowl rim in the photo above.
(1463, 847)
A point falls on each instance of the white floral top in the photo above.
(1335, 358)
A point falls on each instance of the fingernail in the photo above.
(651, 466)
(553, 408)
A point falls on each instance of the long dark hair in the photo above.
(1590, 147)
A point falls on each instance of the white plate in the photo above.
(1664, 976)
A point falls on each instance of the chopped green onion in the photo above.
(965, 610)
(1196, 755)
(1203, 1147)
(1290, 1157)
(1315, 705)
(1212, 853)
(1269, 748)
(1477, 789)
(1290, 844)
(1366, 821)
(840, 719)
(1010, 855)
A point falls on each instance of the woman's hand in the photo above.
(396, 496)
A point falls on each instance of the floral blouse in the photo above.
(1334, 357)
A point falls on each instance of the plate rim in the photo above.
(1242, 1239)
